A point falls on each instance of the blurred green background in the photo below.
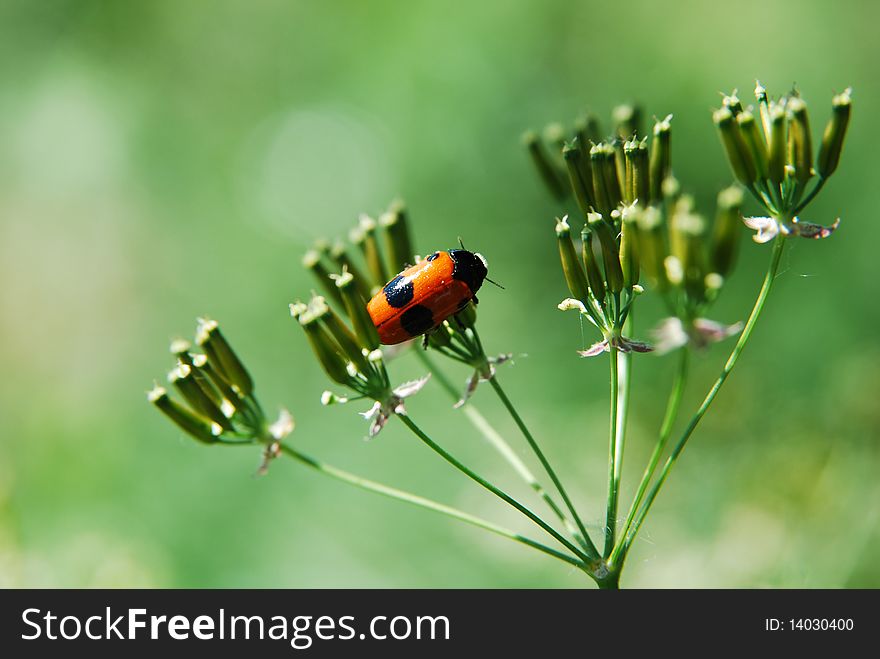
(162, 160)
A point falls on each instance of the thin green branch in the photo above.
(613, 471)
(492, 488)
(672, 407)
(778, 248)
(422, 502)
(585, 539)
(503, 448)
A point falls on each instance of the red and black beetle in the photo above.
(424, 295)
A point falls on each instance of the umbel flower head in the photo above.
(636, 226)
(385, 248)
(770, 152)
(348, 349)
(217, 403)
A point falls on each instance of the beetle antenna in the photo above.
(496, 283)
(461, 242)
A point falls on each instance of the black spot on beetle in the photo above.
(433, 256)
(468, 268)
(417, 320)
(399, 292)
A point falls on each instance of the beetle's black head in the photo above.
(469, 267)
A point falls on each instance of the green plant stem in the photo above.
(421, 502)
(613, 470)
(585, 539)
(504, 449)
(778, 248)
(672, 407)
(409, 423)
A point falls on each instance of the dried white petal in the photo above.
(412, 387)
(669, 335)
(571, 304)
(283, 426)
(766, 228)
(814, 231)
(469, 389)
(710, 331)
(595, 349)
(371, 413)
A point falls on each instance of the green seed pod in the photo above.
(591, 265)
(741, 161)
(800, 143)
(587, 129)
(397, 237)
(764, 108)
(356, 309)
(441, 337)
(754, 142)
(727, 229)
(778, 142)
(554, 135)
(629, 261)
(312, 261)
(297, 309)
(180, 348)
(327, 351)
(600, 190)
(614, 172)
(670, 190)
(606, 185)
(620, 166)
(183, 379)
(322, 246)
(468, 316)
(661, 158)
(199, 364)
(686, 232)
(835, 132)
(627, 120)
(579, 175)
(638, 178)
(652, 249)
(732, 103)
(372, 254)
(193, 425)
(209, 379)
(571, 266)
(343, 260)
(547, 170)
(341, 333)
(610, 252)
(221, 354)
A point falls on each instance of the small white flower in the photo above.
(482, 374)
(669, 335)
(672, 334)
(766, 228)
(381, 411)
(283, 426)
